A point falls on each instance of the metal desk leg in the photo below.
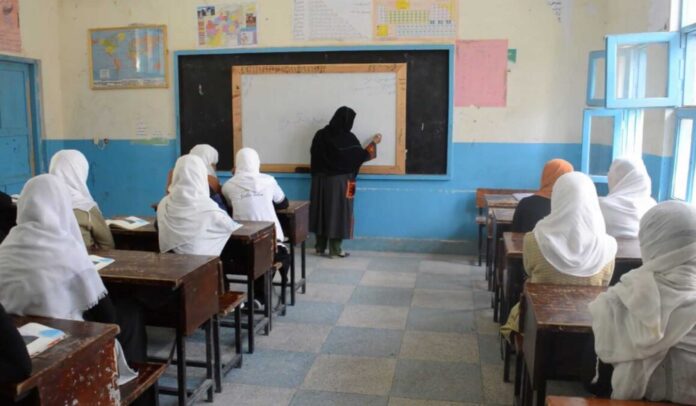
(250, 313)
(303, 268)
(292, 274)
(216, 352)
(268, 305)
(181, 366)
(209, 356)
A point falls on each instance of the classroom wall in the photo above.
(493, 147)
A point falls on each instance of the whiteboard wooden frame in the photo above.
(399, 167)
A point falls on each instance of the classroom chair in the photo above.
(148, 375)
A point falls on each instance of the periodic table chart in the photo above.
(419, 19)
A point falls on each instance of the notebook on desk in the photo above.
(520, 196)
(100, 262)
(129, 223)
(38, 338)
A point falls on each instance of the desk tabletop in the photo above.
(293, 206)
(150, 268)
(147, 228)
(252, 229)
(514, 243)
(575, 401)
(500, 200)
(627, 249)
(80, 336)
(502, 216)
(561, 307)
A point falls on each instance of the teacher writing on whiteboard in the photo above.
(336, 159)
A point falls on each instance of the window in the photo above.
(688, 13)
(643, 70)
(684, 156)
(595, 79)
(601, 141)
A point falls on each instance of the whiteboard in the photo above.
(278, 111)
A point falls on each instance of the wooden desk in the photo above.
(557, 329)
(179, 291)
(573, 401)
(627, 258)
(512, 274)
(144, 238)
(506, 201)
(500, 221)
(79, 369)
(295, 223)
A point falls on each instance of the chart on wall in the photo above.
(10, 39)
(332, 20)
(415, 19)
(227, 25)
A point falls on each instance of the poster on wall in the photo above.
(415, 19)
(227, 25)
(481, 73)
(332, 20)
(10, 39)
(128, 57)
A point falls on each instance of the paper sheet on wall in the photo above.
(227, 25)
(10, 39)
(481, 73)
(332, 20)
(408, 19)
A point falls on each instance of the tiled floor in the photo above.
(379, 329)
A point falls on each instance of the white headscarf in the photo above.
(628, 199)
(188, 213)
(72, 167)
(653, 308)
(572, 237)
(247, 166)
(44, 266)
(208, 154)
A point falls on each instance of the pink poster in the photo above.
(9, 26)
(481, 73)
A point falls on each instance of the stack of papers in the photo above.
(520, 196)
(129, 223)
(100, 262)
(38, 338)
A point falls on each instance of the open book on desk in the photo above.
(38, 338)
(100, 262)
(129, 223)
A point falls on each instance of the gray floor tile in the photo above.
(393, 401)
(443, 299)
(445, 320)
(452, 381)
(376, 295)
(484, 322)
(336, 373)
(252, 395)
(495, 391)
(273, 368)
(327, 292)
(438, 281)
(336, 276)
(434, 346)
(389, 279)
(444, 267)
(369, 316)
(294, 337)
(394, 264)
(314, 312)
(319, 398)
(351, 262)
(482, 299)
(366, 342)
(489, 349)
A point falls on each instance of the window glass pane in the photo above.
(682, 160)
(690, 71)
(599, 74)
(601, 137)
(642, 70)
(688, 12)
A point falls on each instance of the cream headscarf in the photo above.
(72, 167)
(247, 171)
(208, 154)
(628, 199)
(44, 266)
(572, 237)
(188, 212)
(653, 308)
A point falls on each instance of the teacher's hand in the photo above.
(377, 138)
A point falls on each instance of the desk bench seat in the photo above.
(148, 374)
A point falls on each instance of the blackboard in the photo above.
(205, 99)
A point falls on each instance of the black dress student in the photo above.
(7, 215)
(336, 159)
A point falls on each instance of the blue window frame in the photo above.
(684, 165)
(643, 70)
(601, 141)
(596, 73)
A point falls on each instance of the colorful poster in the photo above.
(10, 39)
(415, 19)
(227, 25)
(481, 73)
(128, 57)
(332, 20)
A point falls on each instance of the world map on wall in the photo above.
(128, 57)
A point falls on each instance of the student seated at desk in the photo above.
(45, 269)
(189, 222)
(628, 198)
(209, 156)
(569, 246)
(5, 210)
(645, 326)
(72, 167)
(255, 196)
(534, 208)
